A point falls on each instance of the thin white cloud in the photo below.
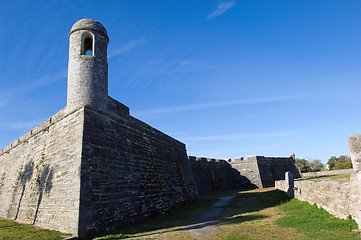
(127, 47)
(157, 67)
(43, 81)
(22, 124)
(222, 7)
(240, 136)
(208, 105)
(264, 112)
(273, 146)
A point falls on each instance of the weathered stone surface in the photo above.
(216, 174)
(354, 143)
(88, 74)
(129, 171)
(40, 175)
(333, 196)
(264, 171)
(340, 198)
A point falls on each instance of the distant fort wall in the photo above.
(212, 174)
(264, 171)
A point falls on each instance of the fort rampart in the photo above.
(341, 198)
(216, 175)
(263, 171)
(332, 195)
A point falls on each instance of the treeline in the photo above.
(334, 163)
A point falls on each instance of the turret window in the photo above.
(87, 45)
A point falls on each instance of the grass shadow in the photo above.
(252, 202)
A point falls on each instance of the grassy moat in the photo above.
(254, 214)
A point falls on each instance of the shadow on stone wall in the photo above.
(217, 175)
(43, 180)
(44, 184)
(25, 177)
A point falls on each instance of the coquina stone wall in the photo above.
(340, 198)
(130, 171)
(332, 195)
(264, 171)
(87, 171)
(40, 174)
(216, 174)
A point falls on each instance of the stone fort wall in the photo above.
(333, 196)
(340, 198)
(40, 174)
(130, 171)
(92, 167)
(264, 171)
(88, 171)
(216, 175)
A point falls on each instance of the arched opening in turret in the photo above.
(87, 45)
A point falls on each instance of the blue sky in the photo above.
(227, 78)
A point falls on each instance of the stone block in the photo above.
(354, 142)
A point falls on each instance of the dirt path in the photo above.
(251, 215)
(205, 225)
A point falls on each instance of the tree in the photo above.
(302, 165)
(331, 162)
(343, 162)
(316, 165)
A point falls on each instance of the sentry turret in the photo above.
(88, 65)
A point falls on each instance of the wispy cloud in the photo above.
(263, 113)
(273, 146)
(222, 7)
(207, 105)
(43, 81)
(156, 67)
(22, 124)
(240, 136)
(127, 47)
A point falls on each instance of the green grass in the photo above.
(11, 230)
(236, 236)
(316, 223)
(345, 177)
